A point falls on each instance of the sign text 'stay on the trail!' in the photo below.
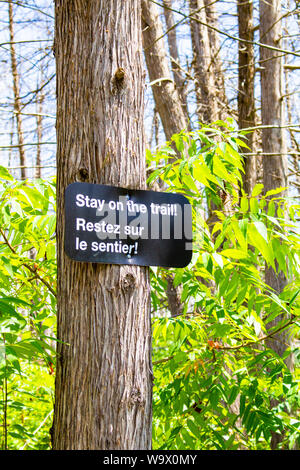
(111, 225)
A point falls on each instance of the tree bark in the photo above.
(273, 142)
(246, 102)
(104, 380)
(166, 97)
(39, 121)
(173, 50)
(167, 103)
(16, 90)
(207, 106)
(272, 111)
(216, 63)
(209, 79)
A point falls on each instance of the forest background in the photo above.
(222, 89)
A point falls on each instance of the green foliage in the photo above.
(218, 385)
(27, 310)
(216, 381)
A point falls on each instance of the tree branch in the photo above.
(32, 270)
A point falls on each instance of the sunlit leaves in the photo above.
(27, 302)
(212, 367)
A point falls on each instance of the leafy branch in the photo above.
(26, 265)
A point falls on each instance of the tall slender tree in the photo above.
(246, 100)
(168, 103)
(167, 99)
(174, 53)
(16, 91)
(207, 105)
(103, 384)
(275, 157)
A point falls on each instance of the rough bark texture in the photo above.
(272, 112)
(104, 380)
(246, 102)
(209, 78)
(207, 106)
(16, 90)
(216, 62)
(273, 140)
(168, 103)
(166, 97)
(174, 54)
(39, 121)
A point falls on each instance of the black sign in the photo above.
(106, 224)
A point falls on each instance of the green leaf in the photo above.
(258, 240)
(244, 204)
(294, 297)
(233, 394)
(198, 174)
(257, 189)
(262, 230)
(5, 175)
(218, 259)
(189, 181)
(234, 253)
(272, 192)
(254, 205)
(193, 428)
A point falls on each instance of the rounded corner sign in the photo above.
(111, 225)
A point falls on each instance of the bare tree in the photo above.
(207, 105)
(273, 142)
(246, 100)
(39, 124)
(178, 74)
(16, 90)
(167, 100)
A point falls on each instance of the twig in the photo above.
(32, 270)
(223, 32)
(240, 346)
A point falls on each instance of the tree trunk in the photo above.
(173, 50)
(166, 97)
(104, 380)
(273, 140)
(16, 90)
(209, 79)
(207, 106)
(272, 112)
(246, 102)
(167, 103)
(216, 63)
(39, 121)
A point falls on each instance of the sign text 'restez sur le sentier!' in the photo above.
(111, 225)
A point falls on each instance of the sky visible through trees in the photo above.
(223, 327)
(33, 25)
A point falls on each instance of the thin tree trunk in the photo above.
(166, 97)
(272, 112)
(39, 121)
(216, 63)
(173, 49)
(273, 140)
(246, 102)
(294, 142)
(207, 106)
(167, 103)
(104, 379)
(16, 90)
